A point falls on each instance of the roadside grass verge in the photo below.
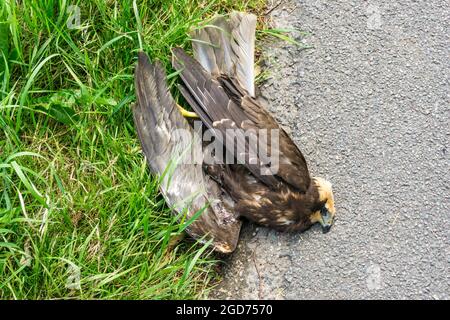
(80, 215)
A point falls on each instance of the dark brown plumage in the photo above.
(184, 185)
(219, 86)
(223, 97)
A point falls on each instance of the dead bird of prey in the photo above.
(219, 86)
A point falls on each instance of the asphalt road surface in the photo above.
(369, 106)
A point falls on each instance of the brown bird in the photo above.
(218, 84)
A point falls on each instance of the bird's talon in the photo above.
(185, 113)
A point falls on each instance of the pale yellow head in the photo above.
(325, 215)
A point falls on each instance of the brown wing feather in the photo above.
(210, 101)
(293, 168)
(157, 120)
(222, 104)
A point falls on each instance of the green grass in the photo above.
(75, 191)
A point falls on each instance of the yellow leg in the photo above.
(185, 113)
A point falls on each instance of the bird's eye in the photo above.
(324, 211)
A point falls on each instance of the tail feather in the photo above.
(243, 47)
(223, 52)
(212, 46)
(204, 51)
(227, 46)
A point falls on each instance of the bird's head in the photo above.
(326, 212)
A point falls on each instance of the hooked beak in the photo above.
(326, 221)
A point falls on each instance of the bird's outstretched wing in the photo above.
(168, 142)
(219, 86)
(292, 167)
(210, 101)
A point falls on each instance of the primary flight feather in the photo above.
(166, 140)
